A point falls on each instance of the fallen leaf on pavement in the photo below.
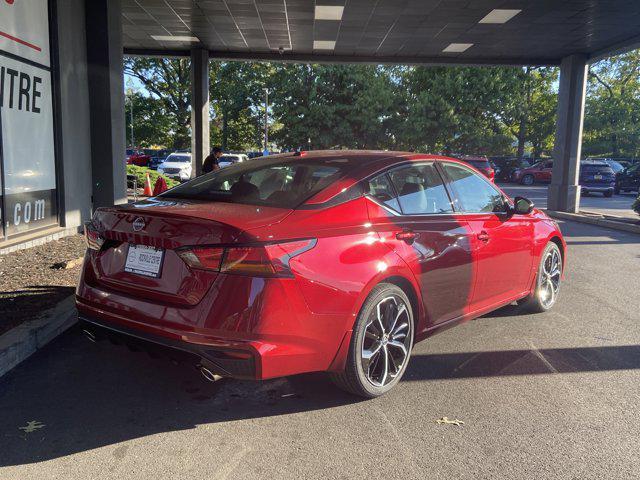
(32, 426)
(446, 421)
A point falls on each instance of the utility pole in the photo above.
(266, 121)
(132, 139)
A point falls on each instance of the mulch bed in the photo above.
(35, 279)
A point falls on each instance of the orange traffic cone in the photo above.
(147, 187)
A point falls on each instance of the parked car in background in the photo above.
(480, 163)
(231, 158)
(617, 167)
(597, 177)
(505, 166)
(157, 157)
(537, 173)
(316, 264)
(137, 157)
(177, 166)
(628, 180)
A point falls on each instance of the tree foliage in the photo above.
(474, 110)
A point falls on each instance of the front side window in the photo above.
(420, 190)
(474, 194)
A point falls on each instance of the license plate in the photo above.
(143, 260)
(597, 177)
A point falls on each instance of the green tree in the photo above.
(167, 82)
(237, 98)
(332, 106)
(612, 120)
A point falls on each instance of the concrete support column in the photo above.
(564, 191)
(106, 94)
(200, 147)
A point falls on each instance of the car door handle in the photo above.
(483, 236)
(407, 236)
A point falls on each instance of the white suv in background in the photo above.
(177, 166)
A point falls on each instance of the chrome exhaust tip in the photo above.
(209, 375)
(90, 335)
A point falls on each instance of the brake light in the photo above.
(92, 236)
(270, 260)
(492, 174)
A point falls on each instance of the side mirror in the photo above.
(522, 206)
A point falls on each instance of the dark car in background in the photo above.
(479, 163)
(506, 166)
(157, 157)
(597, 177)
(628, 180)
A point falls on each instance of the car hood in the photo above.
(180, 165)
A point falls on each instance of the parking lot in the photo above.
(618, 205)
(545, 396)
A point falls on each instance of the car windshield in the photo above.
(229, 158)
(615, 166)
(283, 184)
(178, 158)
(130, 152)
(597, 170)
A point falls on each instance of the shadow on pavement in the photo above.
(17, 306)
(522, 362)
(89, 396)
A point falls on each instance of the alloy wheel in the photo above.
(387, 341)
(549, 279)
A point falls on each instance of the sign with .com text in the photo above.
(27, 149)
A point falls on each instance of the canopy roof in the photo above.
(385, 31)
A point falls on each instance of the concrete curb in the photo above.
(595, 220)
(22, 341)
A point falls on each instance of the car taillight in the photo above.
(491, 173)
(270, 260)
(92, 236)
(203, 258)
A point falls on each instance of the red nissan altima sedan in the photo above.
(335, 261)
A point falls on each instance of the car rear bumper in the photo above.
(243, 327)
(219, 359)
(597, 188)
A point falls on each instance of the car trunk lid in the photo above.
(170, 225)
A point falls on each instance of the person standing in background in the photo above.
(211, 162)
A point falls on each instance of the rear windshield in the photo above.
(229, 158)
(597, 169)
(282, 185)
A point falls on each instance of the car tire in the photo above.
(528, 180)
(616, 190)
(608, 193)
(381, 343)
(548, 277)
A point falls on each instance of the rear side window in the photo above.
(285, 185)
(473, 193)
(420, 190)
(381, 190)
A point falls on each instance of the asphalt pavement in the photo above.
(548, 396)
